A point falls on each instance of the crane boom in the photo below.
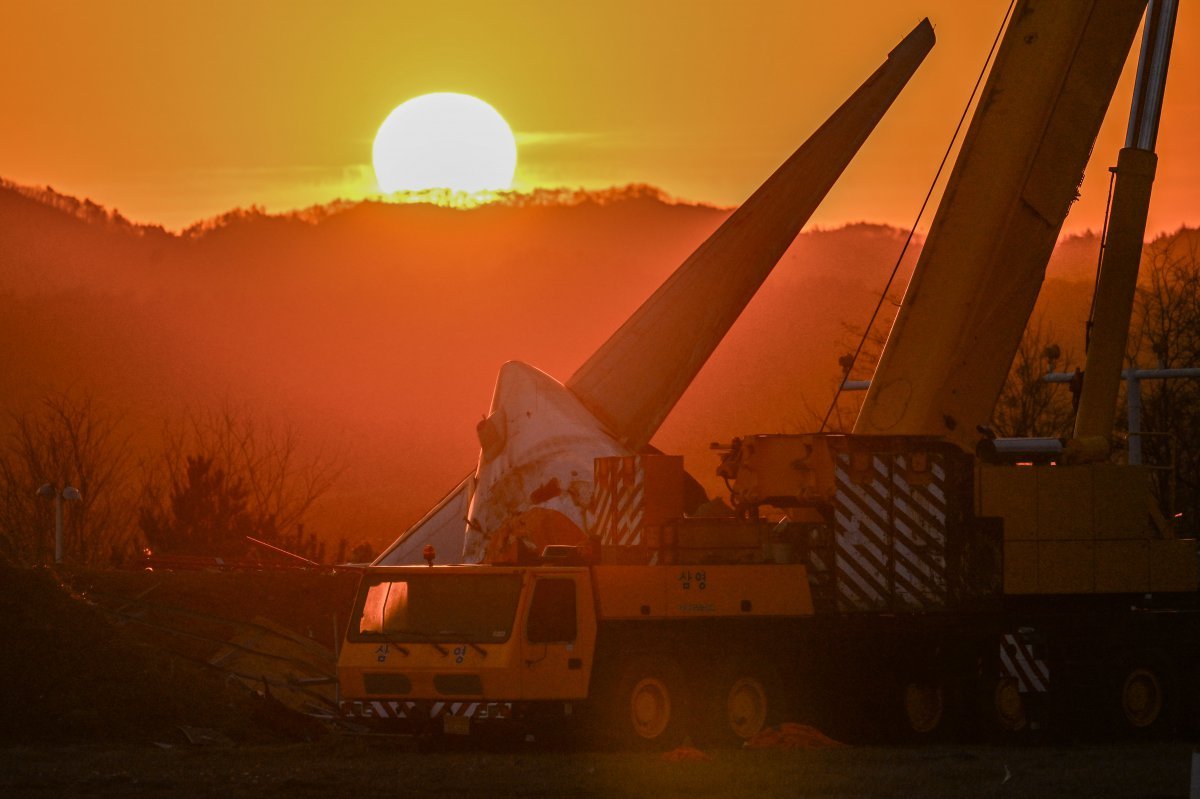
(634, 379)
(1015, 178)
(1117, 283)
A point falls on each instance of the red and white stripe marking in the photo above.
(1017, 660)
(620, 500)
(890, 536)
(406, 709)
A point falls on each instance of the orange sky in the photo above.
(176, 111)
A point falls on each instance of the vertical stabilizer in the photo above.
(540, 440)
(632, 382)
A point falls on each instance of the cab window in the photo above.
(434, 606)
(552, 612)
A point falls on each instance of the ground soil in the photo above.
(353, 767)
(98, 698)
(124, 656)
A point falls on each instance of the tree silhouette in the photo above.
(1028, 406)
(222, 477)
(67, 438)
(207, 514)
(1166, 333)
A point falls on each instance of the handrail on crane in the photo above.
(1133, 392)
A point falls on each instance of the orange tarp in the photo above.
(792, 736)
(686, 754)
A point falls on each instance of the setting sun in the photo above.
(444, 141)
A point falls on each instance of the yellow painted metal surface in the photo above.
(1065, 503)
(1114, 293)
(1020, 567)
(717, 539)
(560, 669)
(798, 467)
(984, 259)
(1011, 493)
(630, 592)
(1122, 500)
(499, 672)
(1082, 529)
(717, 590)
(1122, 567)
(703, 590)
(1066, 567)
(1173, 565)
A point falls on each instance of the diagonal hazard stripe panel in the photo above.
(620, 501)
(1018, 661)
(889, 535)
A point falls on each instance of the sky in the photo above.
(173, 112)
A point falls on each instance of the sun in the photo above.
(444, 141)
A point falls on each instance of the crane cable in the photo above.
(912, 231)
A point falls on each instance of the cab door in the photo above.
(558, 637)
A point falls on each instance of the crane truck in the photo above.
(913, 574)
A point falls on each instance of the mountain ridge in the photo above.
(379, 327)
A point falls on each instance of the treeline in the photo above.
(216, 483)
(557, 197)
(378, 329)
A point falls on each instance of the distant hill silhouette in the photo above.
(378, 328)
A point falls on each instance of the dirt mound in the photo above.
(90, 659)
(309, 603)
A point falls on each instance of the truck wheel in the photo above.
(649, 708)
(924, 707)
(1143, 697)
(1008, 706)
(747, 704)
(741, 702)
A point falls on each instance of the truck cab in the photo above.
(446, 647)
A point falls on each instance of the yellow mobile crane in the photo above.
(543, 633)
(1087, 597)
(919, 570)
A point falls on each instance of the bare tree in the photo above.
(229, 459)
(861, 356)
(1166, 333)
(1028, 406)
(68, 438)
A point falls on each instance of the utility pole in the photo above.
(70, 493)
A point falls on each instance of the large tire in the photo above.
(648, 707)
(1143, 695)
(929, 705)
(740, 702)
(1006, 712)
(923, 703)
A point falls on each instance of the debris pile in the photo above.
(118, 656)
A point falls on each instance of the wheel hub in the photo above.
(923, 706)
(650, 707)
(1141, 698)
(1009, 705)
(746, 706)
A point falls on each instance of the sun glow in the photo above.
(444, 141)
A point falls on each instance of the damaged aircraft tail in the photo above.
(534, 477)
